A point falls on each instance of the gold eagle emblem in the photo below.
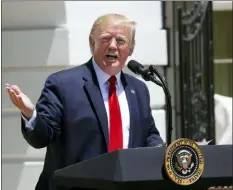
(184, 159)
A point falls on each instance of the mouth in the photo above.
(111, 57)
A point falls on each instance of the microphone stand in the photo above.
(168, 102)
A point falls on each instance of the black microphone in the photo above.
(148, 75)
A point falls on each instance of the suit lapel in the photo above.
(131, 96)
(93, 91)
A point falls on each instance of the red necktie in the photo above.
(115, 134)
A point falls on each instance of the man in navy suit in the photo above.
(91, 109)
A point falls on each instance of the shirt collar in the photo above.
(103, 77)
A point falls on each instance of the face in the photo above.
(111, 46)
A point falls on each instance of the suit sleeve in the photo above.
(49, 108)
(153, 138)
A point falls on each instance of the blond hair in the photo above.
(119, 18)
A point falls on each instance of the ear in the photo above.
(132, 48)
(92, 44)
(131, 51)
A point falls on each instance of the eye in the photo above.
(105, 39)
(121, 41)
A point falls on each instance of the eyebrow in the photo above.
(108, 35)
(104, 35)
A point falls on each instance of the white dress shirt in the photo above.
(102, 78)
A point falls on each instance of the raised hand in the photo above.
(20, 100)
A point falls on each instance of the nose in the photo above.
(113, 44)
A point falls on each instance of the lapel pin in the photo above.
(132, 91)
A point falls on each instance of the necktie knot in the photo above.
(112, 80)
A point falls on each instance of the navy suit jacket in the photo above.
(72, 121)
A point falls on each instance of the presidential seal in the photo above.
(184, 161)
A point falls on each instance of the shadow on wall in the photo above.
(30, 42)
(32, 14)
(30, 36)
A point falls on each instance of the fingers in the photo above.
(20, 100)
(14, 94)
(16, 89)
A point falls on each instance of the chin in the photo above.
(112, 64)
(113, 70)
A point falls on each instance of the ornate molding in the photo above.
(192, 19)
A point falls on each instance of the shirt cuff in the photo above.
(30, 124)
